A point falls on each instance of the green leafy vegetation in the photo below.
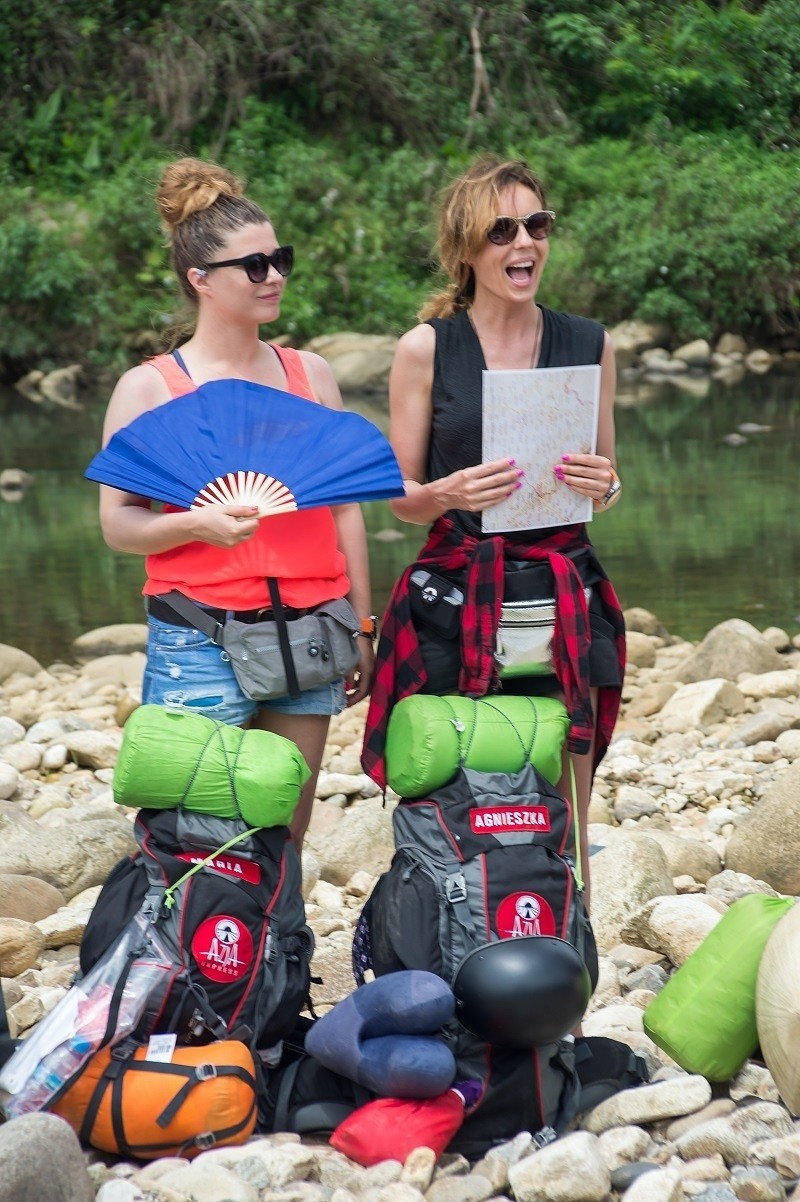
(669, 136)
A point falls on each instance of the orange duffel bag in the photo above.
(203, 1098)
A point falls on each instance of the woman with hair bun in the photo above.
(493, 245)
(233, 271)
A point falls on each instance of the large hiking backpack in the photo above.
(489, 856)
(227, 904)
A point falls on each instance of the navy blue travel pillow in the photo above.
(384, 1036)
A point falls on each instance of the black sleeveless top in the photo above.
(456, 430)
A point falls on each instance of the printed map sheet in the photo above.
(536, 417)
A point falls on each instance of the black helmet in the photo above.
(522, 992)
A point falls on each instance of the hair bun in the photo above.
(189, 186)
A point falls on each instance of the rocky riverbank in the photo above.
(694, 806)
(645, 352)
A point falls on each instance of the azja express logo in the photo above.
(524, 914)
(223, 948)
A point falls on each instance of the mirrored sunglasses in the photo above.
(257, 266)
(537, 226)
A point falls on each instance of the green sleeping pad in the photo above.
(430, 737)
(705, 1016)
(174, 758)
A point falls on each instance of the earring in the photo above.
(201, 275)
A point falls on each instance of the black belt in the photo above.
(163, 612)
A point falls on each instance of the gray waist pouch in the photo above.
(320, 647)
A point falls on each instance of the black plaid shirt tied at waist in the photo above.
(400, 671)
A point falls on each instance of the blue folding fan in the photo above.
(233, 442)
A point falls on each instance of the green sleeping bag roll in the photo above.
(705, 1016)
(430, 737)
(174, 758)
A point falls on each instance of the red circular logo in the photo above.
(222, 948)
(524, 914)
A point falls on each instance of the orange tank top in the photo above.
(300, 549)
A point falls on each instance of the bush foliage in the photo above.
(669, 135)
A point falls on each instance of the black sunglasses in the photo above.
(257, 266)
(537, 226)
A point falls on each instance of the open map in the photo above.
(536, 417)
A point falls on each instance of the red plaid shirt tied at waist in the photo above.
(400, 670)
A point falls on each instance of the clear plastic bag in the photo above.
(95, 1013)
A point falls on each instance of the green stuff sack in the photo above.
(705, 1016)
(174, 758)
(430, 738)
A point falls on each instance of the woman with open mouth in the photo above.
(493, 244)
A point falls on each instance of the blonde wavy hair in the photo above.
(200, 205)
(468, 210)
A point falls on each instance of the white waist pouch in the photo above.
(525, 637)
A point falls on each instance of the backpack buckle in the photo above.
(544, 1137)
(205, 1072)
(455, 888)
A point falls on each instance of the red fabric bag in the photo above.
(391, 1128)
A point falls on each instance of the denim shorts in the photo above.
(186, 669)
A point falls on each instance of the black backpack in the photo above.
(226, 903)
(488, 856)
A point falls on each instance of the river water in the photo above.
(704, 531)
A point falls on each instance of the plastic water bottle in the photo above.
(49, 1075)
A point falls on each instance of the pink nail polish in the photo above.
(565, 459)
(520, 472)
(512, 462)
(518, 484)
(558, 472)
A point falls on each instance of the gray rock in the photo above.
(662, 1186)
(360, 362)
(9, 781)
(733, 1135)
(685, 855)
(702, 704)
(27, 897)
(633, 802)
(694, 354)
(648, 1103)
(61, 386)
(729, 886)
(41, 1161)
(363, 836)
(94, 748)
(766, 844)
(651, 977)
(755, 1183)
(674, 926)
(652, 698)
(731, 648)
(756, 728)
(624, 1176)
(120, 639)
(21, 943)
(72, 857)
(473, 1188)
(645, 622)
(12, 660)
(641, 650)
(28, 386)
(731, 344)
(629, 871)
(569, 1170)
(10, 732)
